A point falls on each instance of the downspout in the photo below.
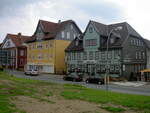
(55, 58)
(122, 63)
(16, 58)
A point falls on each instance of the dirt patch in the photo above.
(6, 82)
(31, 105)
(127, 110)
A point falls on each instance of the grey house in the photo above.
(126, 50)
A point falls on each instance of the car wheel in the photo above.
(99, 82)
(74, 80)
(87, 81)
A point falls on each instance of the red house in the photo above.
(18, 50)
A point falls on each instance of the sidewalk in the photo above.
(134, 83)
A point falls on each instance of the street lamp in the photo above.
(107, 65)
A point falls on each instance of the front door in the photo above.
(90, 68)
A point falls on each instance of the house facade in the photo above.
(17, 49)
(126, 50)
(46, 46)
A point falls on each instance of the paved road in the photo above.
(142, 90)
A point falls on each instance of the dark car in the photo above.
(73, 77)
(96, 78)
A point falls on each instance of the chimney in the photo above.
(59, 21)
(19, 35)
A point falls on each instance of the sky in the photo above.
(23, 15)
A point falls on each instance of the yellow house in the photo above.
(45, 49)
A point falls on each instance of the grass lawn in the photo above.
(112, 102)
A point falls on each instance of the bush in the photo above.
(1, 68)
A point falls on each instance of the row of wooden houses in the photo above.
(62, 47)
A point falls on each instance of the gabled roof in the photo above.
(104, 31)
(18, 39)
(51, 29)
(101, 28)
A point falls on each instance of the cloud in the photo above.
(136, 13)
(23, 15)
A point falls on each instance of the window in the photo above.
(76, 42)
(63, 34)
(8, 44)
(50, 44)
(132, 42)
(46, 46)
(117, 54)
(71, 27)
(139, 55)
(39, 45)
(91, 55)
(142, 43)
(109, 55)
(21, 52)
(39, 56)
(112, 68)
(33, 46)
(112, 40)
(47, 56)
(33, 57)
(73, 56)
(84, 56)
(96, 55)
(117, 68)
(136, 55)
(91, 42)
(74, 36)
(21, 62)
(68, 35)
(90, 29)
(139, 42)
(39, 34)
(143, 54)
(78, 56)
(68, 56)
(103, 55)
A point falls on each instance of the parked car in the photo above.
(95, 78)
(73, 77)
(31, 72)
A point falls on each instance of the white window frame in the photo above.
(71, 26)
(21, 52)
(139, 55)
(63, 34)
(68, 35)
(74, 36)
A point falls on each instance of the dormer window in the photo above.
(8, 44)
(112, 40)
(39, 34)
(71, 27)
(77, 42)
(68, 35)
(74, 36)
(63, 34)
(90, 29)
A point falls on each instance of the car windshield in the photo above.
(73, 74)
(96, 75)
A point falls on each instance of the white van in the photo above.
(31, 70)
